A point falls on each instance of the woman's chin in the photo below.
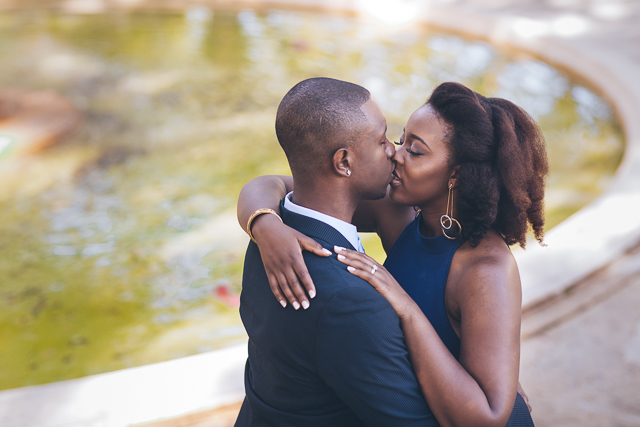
(395, 194)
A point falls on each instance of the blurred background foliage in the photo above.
(119, 247)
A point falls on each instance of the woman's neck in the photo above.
(430, 224)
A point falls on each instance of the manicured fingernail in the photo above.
(351, 269)
(305, 304)
(283, 303)
(341, 257)
(326, 251)
(338, 248)
(296, 305)
(312, 293)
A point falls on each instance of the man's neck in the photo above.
(336, 205)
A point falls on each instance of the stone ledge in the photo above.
(131, 396)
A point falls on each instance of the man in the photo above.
(342, 361)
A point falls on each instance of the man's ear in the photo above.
(341, 162)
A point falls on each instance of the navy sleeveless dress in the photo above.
(421, 266)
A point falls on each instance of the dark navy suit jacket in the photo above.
(342, 362)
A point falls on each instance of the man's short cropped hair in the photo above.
(317, 117)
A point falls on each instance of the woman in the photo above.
(474, 168)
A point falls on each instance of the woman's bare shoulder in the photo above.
(483, 276)
(492, 251)
(490, 263)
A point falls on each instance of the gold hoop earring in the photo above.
(447, 220)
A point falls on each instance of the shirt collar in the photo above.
(349, 231)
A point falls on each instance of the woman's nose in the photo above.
(397, 156)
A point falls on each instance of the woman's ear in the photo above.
(453, 179)
(342, 162)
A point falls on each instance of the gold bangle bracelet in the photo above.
(257, 214)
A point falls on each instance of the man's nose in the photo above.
(391, 150)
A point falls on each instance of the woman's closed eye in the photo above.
(409, 150)
(413, 153)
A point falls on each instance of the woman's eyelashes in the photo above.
(409, 150)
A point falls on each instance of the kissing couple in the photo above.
(432, 337)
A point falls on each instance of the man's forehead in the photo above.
(374, 113)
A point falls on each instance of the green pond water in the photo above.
(119, 247)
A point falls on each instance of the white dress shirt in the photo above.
(349, 231)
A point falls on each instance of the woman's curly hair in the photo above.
(503, 164)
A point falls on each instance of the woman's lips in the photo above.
(396, 179)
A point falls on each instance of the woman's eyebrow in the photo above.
(414, 136)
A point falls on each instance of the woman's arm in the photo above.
(479, 389)
(262, 192)
(280, 245)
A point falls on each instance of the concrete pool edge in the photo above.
(131, 396)
(177, 387)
